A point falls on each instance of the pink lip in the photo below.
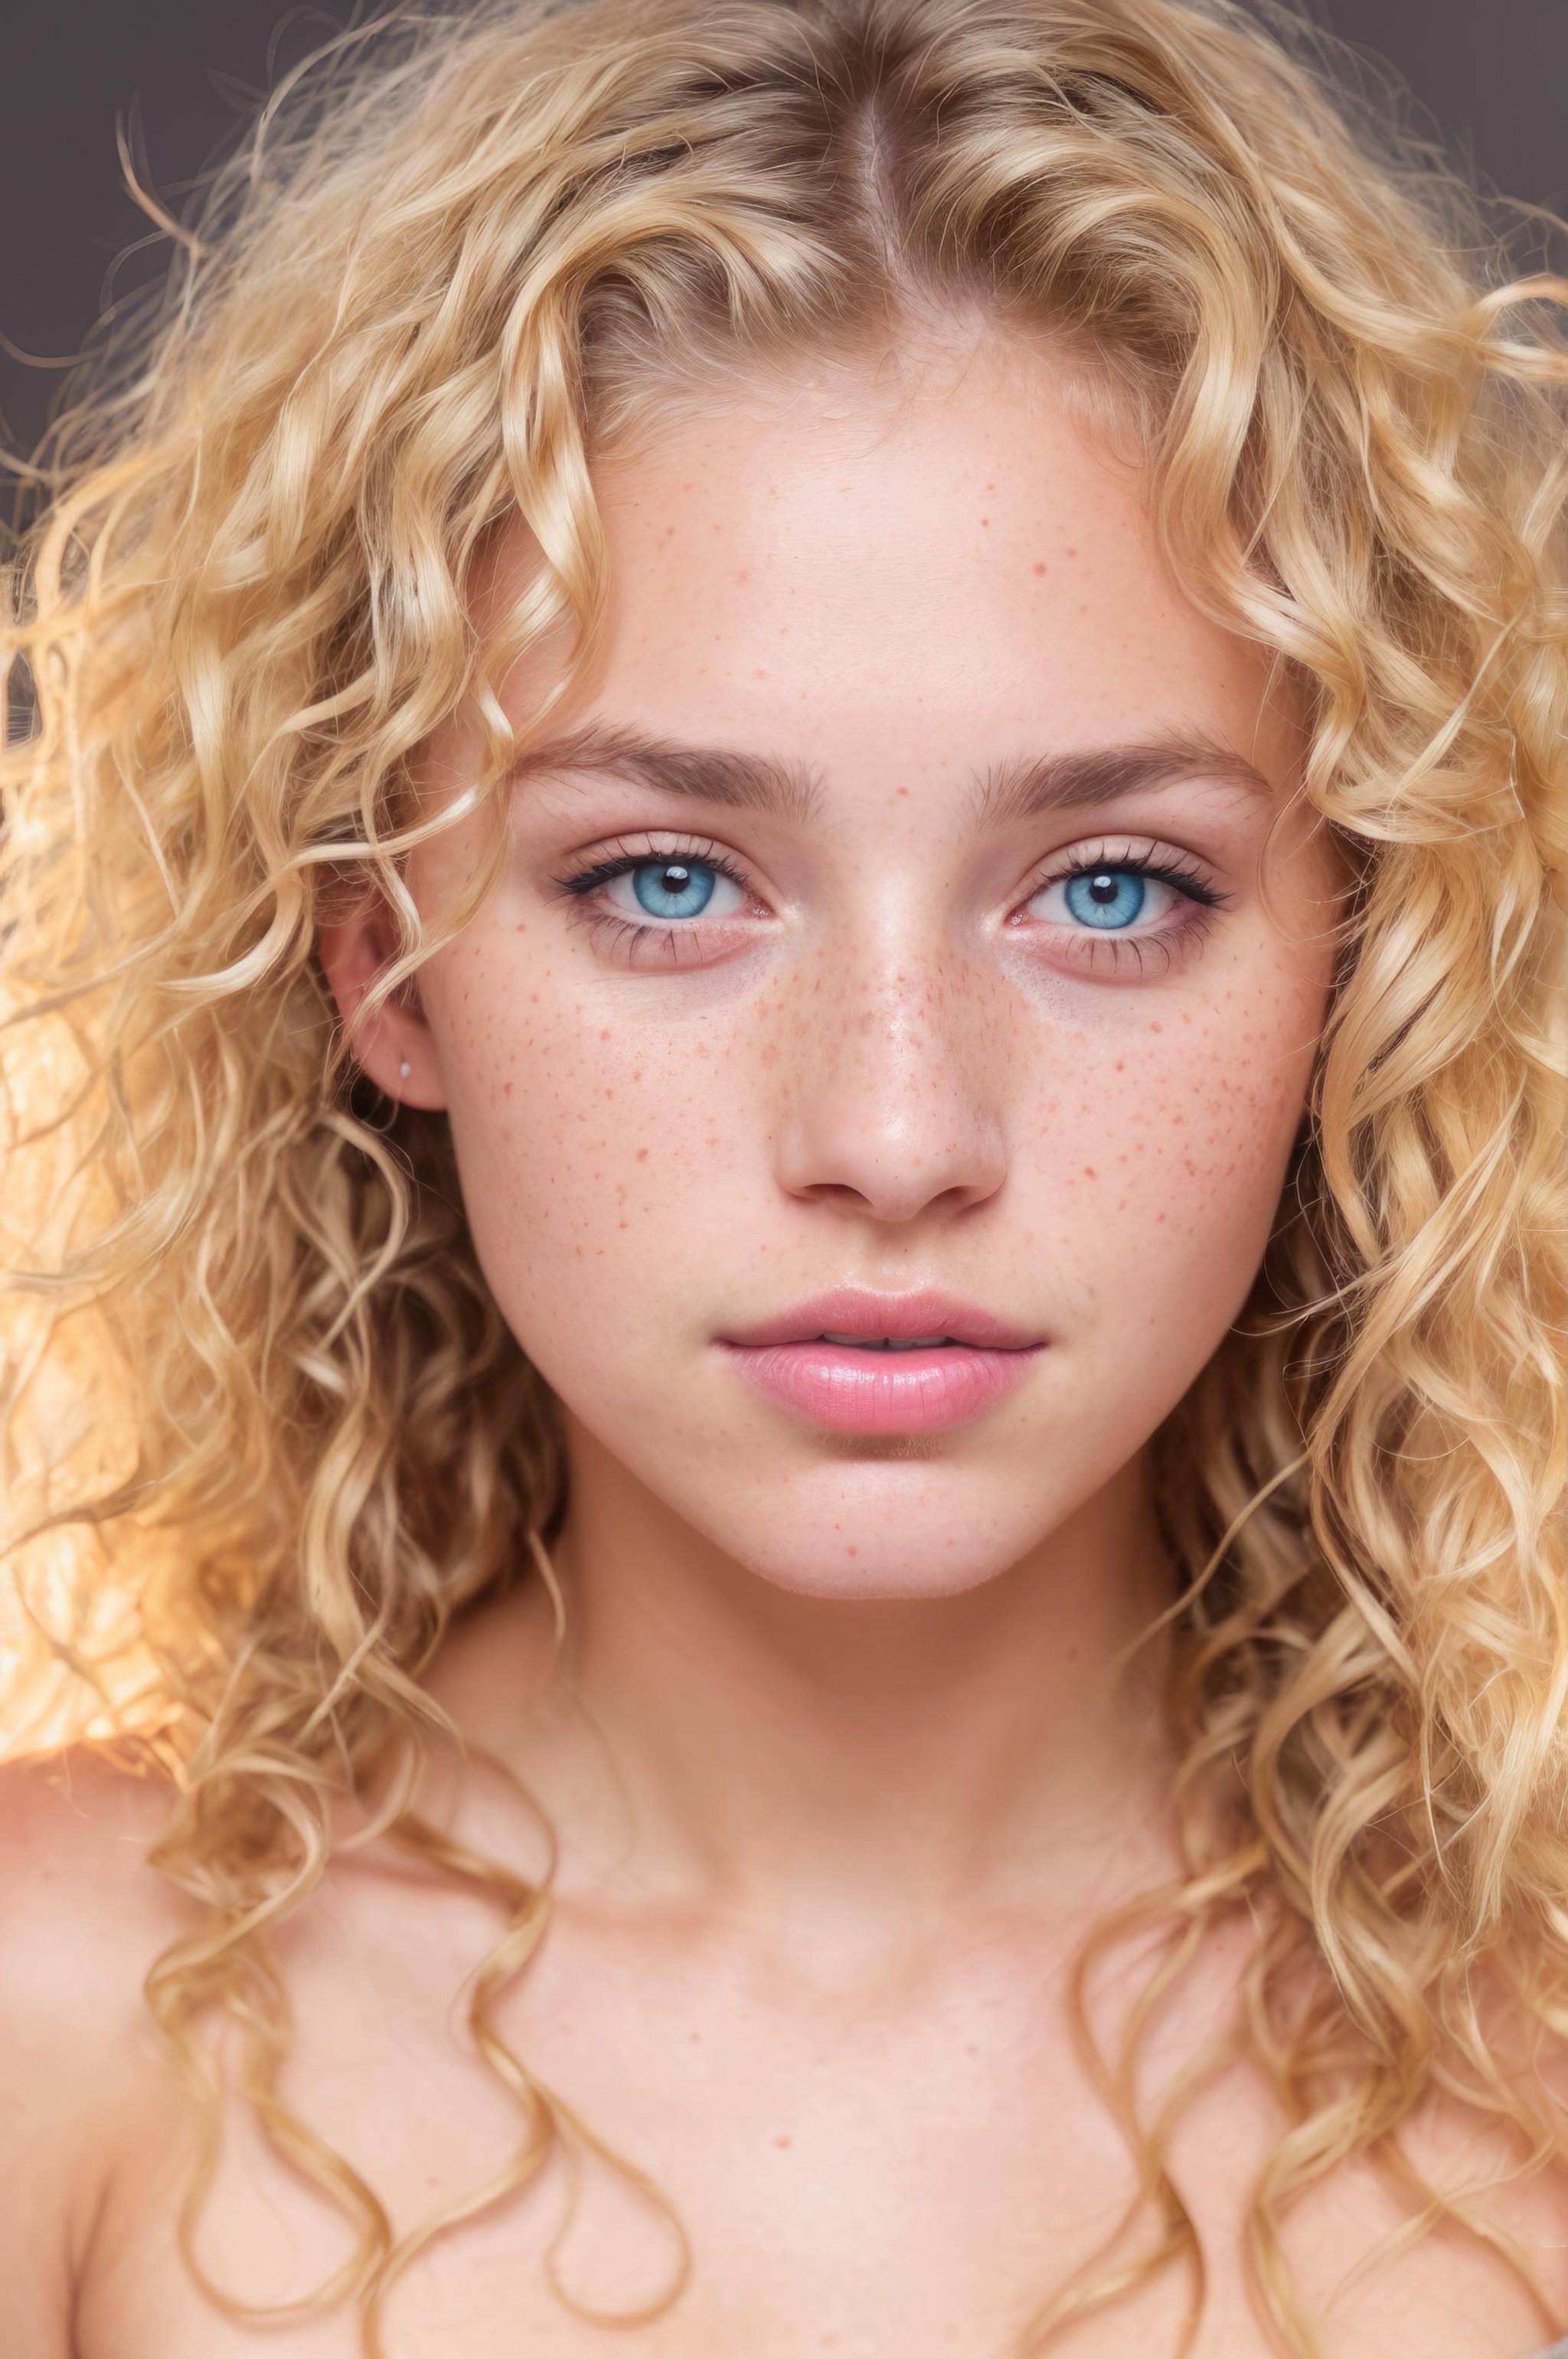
(853, 1390)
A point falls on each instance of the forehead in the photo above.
(868, 575)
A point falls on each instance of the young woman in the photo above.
(785, 1417)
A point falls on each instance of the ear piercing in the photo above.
(405, 1068)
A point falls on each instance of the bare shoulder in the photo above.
(84, 1912)
(82, 1917)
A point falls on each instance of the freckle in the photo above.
(1037, 570)
(780, 2141)
(852, 1551)
(641, 1155)
(743, 575)
(1090, 1173)
(505, 1089)
(985, 520)
(903, 790)
(603, 1036)
(1071, 553)
(1157, 1026)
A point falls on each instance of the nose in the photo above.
(893, 1103)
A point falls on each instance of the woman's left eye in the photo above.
(1109, 899)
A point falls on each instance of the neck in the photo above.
(846, 1762)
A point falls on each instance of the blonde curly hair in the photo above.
(266, 1432)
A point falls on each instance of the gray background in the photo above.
(1492, 75)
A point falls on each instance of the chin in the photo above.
(888, 1577)
(909, 1547)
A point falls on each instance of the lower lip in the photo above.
(882, 1392)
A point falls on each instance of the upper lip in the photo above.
(871, 1317)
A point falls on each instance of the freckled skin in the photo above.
(874, 1081)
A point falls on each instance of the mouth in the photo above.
(891, 1343)
(861, 1361)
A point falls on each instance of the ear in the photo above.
(397, 1048)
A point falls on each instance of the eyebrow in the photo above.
(711, 774)
(1020, 788)
(1027, 788)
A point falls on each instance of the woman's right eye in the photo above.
(670, 889)
(665, 890)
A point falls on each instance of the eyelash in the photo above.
(1097, 952)
(1094, 952)
(616, 932)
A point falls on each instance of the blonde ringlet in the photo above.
(266, 1432)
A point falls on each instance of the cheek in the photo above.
(1162, 1158)
(601, 1156)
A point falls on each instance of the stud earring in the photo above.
(405, 1068)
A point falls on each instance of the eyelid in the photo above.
(1145, 854)
(1111, 954)
(623, 855)
(647, 943)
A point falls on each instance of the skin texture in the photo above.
(876, 1075)
(849, 1742)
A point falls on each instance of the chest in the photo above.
(701, 2145)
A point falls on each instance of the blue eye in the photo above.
(1108, 900)
(674, 888)
(1108, 897)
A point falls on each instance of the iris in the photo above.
(674, 888)
(1108, 898)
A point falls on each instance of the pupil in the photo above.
(1103, 889)
(675, 879)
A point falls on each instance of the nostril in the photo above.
(891, 1135)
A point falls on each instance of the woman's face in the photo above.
(883, 956)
